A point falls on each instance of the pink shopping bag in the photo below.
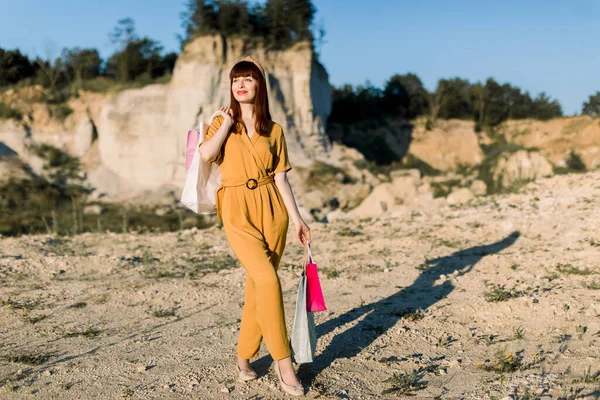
(193, 137)
(314, 293)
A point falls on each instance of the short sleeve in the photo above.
(212, 129)
(281, 161)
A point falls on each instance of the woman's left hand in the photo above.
(302, 233)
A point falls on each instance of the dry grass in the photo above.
(406, 384)
(500, 293)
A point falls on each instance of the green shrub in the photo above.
(57, 96)
(443, 189)
(62, 111)
(55, 203)
(325, 174)
(60, 165)
(34, 206)
(573, 164)
(429, 125)
(7, 112)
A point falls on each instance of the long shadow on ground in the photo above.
(383, 314)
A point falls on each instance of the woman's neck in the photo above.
(247, 111)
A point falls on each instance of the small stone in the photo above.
(20, 372)
(47, 373)
(386, 270)
(224, 389)
(193, 383)
(143, 368)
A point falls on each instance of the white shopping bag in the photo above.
(202, 179)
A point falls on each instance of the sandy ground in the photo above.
(495, 298)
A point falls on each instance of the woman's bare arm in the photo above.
(210, 148)
(302, 230)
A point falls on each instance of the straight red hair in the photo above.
(261, 101)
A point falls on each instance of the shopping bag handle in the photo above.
(308, 258)
(210, 120)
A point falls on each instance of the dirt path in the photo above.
(495, 298)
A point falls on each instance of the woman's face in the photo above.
(244, 89)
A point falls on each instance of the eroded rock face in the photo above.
(449, 145)
(134, 140)
(522, 165)
(142, 132)
(558, 137)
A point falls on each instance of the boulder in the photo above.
(404, 188)
(336, 215)
(424, 188)
(459, 196)
(478, 187)
(378, 202)
(350, 196)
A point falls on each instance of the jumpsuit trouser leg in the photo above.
(259, 252)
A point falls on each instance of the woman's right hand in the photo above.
(227, 114)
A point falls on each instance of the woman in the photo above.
(253, 202)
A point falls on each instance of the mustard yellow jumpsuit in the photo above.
(255, 221)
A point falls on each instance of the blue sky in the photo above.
(549, 46)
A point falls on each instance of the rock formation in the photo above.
(558, 137)
(142, 132)
(134, 140)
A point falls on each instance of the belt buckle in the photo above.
(253, 185)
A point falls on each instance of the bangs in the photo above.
(243, 69)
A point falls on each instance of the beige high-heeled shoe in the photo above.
(245, 375)
(289, 389)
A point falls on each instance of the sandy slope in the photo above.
(106, 316)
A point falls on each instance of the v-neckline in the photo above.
(252, 138)
(249, 143)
